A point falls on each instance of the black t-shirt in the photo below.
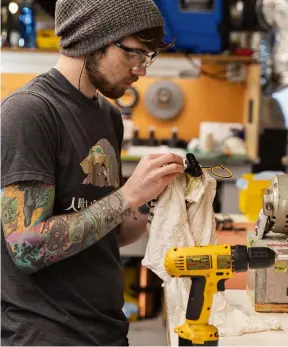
(52, 133)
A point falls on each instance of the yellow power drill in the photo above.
(209, 267)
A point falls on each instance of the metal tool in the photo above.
(274, 214)
(209, 267)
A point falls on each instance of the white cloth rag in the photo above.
(184, 216)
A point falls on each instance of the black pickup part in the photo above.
(193, 167)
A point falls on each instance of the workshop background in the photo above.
(220, 92)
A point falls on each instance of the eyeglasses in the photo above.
(138, 58)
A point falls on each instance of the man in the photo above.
(65, 209)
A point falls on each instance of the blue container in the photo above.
(194, 24)
(27, 27)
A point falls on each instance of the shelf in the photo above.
(212, 157)
(216, 58)
(29, 50)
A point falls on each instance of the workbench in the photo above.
(265, 338)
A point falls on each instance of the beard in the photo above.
(100, 82)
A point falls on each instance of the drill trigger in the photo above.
(221, 285)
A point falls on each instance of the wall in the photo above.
(10, 82)
(205, 99)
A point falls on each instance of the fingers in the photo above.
(166, 159)
(168, 170)
(169, 178)
(153, 156)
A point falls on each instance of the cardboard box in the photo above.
(268, 288)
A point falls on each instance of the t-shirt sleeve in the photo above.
(27, 140)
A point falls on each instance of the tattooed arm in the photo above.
(133, 228)
(36, 239)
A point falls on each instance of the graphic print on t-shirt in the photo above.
(101, 166)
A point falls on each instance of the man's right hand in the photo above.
(151, 176)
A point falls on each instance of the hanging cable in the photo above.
(79, 83)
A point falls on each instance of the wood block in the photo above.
(279, 308)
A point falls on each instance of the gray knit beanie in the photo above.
(87, 25)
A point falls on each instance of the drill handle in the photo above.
(198, 302)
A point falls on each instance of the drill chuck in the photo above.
(252, 257)
(240, 260)
(261, 257)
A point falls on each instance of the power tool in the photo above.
(273, 216)
(209, 267)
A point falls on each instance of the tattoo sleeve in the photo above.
(36, 239)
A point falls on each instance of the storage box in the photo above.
(268, 288)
